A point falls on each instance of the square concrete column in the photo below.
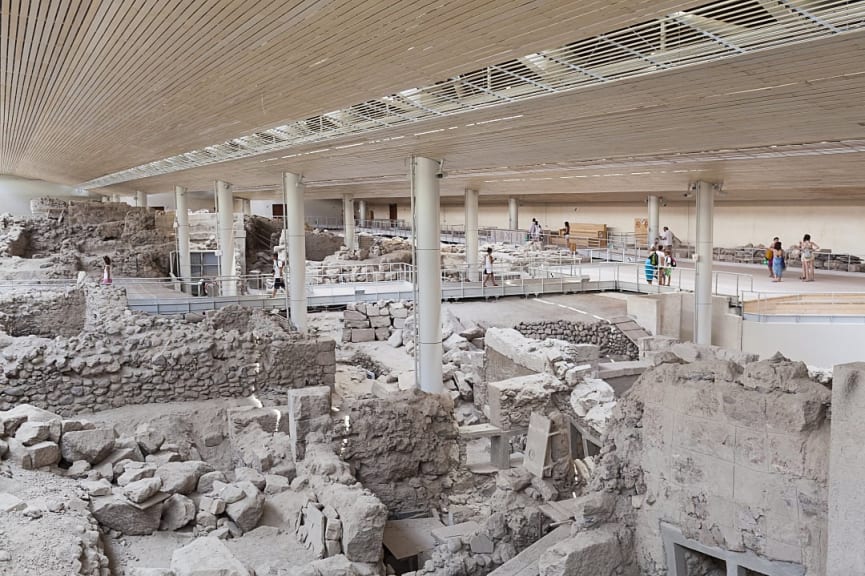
(348, 221)
(471, 229)
(513, 214)
(181, 215)
(846, 551)
(425, 183)
(296, 238)
(225, 236)
(703, 277)
(140, 199)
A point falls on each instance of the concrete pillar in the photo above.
(471, 205)
(361, 210)
(115, 197)
(140, 199)
(181, 214)
(845, 554)
(703, 278)
(225, 229)
(653, 219)
(428, 277)
(348, 219)
(296, 237)
(513, 214)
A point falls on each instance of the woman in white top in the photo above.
(806, 253)
(488, 267)
(106, 270)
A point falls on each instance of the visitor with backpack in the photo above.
(769, 255)
(652, 264)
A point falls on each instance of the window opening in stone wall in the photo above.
(692, 563)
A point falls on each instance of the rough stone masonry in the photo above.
(121, 357)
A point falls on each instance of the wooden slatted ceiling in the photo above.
(799, 94)
(90, 87)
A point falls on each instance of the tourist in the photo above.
(806, 253)
(535, 231)
(667, 239)
(778, 263)
(669, 262)
(278, 267)
(768, 255)
(651, 264)
(488, 268)
(567, 234)
(106, 270)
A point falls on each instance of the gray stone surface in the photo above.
(247, 511)
(141, 490)
(182, 477)
(118, 514)
(90, 445)
(177, 512)
(206, 557)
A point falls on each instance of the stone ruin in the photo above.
(104, 356)
(67, 237)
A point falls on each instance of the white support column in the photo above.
(181, 214)
(513, 214)
(653, 219)
(429, 287)
(361, 210)
(348, 220)
(115, 197)
(296, 237)
(703, 279)
(140, 199)
(225, 228)
(471, 205)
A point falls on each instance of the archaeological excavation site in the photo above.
(232, 435)
(432, 288)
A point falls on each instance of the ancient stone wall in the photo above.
(124, 358)
(608, 337)
(48, 314)
(401, 447)
(735, 456)
(374, 320)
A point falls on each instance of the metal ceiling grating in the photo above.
(712, 32)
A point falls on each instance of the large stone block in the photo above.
(363, 517)
(363, 335)
(247, 511)
(121, 515)
(177, 512)
(594, 552)
(206, 557)
(309, 402)
(182, 477)
(90, 445)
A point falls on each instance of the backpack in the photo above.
(653, 258)
(672, 261)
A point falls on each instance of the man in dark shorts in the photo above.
(278, 280)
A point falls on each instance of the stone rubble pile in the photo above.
(613, 343)
(122, 357)
(383, 320)
(402, 445)
(775, 473)
(510, 523)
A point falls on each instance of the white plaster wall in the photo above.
(312, 208)
(821, 345)
(835, 226)
(16, 194)
(673, 315)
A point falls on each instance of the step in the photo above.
(526, 562)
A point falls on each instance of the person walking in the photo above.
(278, 279)
(806, 253)
(768, 255)
(488, 268)
(778, 264)
(106, 271)
(566, 233)
(667, 239)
